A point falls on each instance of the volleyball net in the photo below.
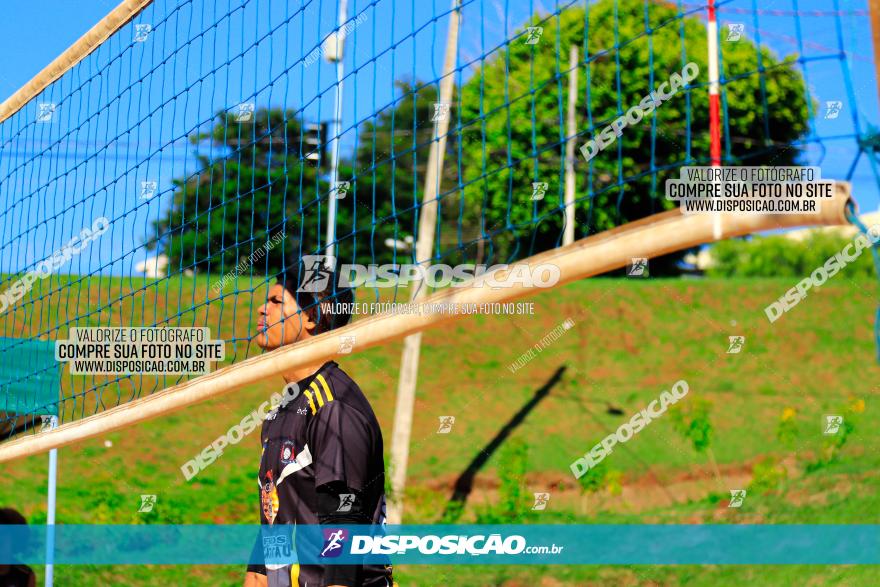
(168, 166)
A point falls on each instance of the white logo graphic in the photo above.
(342, 188)
(736, 344)
(346, 500)
(533, 35)
(735, 31)
(303, 459)
(317, 273)
(832, 109)
(541, 500)
(475, 545)
(446, 423)
(637, 267)
(737, 497)
(47, 423)
(148, 189)
(141, 32)
(301, 411)
(46, 111)
(319, 268)
(334, 542)
(346, 344)
(245, 112)
(832, 424)
(147, 503)
(441, 111)
(539, 188)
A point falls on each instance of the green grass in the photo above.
(632, 339)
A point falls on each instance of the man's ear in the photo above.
(307, 323)
(293, 309)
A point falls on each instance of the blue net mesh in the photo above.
(190, 153)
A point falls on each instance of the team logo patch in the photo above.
(269, 498)
(288, 454)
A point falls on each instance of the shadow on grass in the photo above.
(465, 482)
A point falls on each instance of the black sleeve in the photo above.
(341, 446)
(256, 561)
(340, 505)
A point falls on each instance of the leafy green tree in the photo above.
(507, 131)
(513, 120)
(391, 160)
(258, 180)
(254, 183)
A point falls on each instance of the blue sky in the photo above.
(52, 25)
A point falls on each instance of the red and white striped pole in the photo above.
(714, 86)
(714, 103)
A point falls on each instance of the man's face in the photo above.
(280, 321)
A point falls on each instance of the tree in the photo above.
(260, 181)
(513, 115)
(257, 182)
(391, 161)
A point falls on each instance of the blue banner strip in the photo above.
(580, 544)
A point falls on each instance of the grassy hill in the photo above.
(517, 433)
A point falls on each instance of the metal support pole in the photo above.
(339, 39)
(409, 362)
(568, 234)
(50, 509)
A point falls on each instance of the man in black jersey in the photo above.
(322, 460)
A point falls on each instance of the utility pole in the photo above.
(335, 54)
(409, 361)
(568, 234)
